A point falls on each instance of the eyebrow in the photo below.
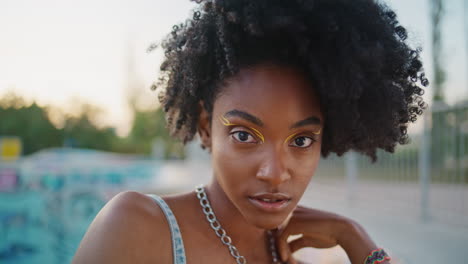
(244, 115)
(313, 120)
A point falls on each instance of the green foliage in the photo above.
(84, 134)
(149, 127)
(32, 124)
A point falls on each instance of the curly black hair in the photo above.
(369, 80)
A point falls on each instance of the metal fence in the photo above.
(426, 179)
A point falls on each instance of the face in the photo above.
(265, 138)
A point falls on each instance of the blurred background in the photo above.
(79, 123)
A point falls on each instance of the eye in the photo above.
(243, 136)
(302, 142)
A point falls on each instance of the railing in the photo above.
(427, 178)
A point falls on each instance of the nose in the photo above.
(273, 169)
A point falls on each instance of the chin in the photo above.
(267, 222)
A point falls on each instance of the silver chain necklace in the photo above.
(221, 233)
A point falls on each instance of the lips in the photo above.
(270, 202)
(268, 197)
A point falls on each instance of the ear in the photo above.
(204, 127)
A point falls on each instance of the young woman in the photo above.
(268, 86)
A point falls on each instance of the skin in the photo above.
(265, 137)
(243, 169)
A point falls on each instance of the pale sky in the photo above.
(55, 51)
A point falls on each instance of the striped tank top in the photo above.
(178, 251)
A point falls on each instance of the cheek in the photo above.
(231, 166)
(303, 165)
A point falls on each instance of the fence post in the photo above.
(424, 166)
(351, 175)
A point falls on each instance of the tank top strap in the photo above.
(177, 243)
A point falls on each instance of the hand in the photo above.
(321, 229)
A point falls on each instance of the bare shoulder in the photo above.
(130, 228)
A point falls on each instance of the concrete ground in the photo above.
(398, 229)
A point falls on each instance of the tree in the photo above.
(150, 126)
(29, 122)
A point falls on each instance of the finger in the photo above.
(289, 259)
(315, 242)
(302, 242)
(297, 244)
(283, 247)
(292, 229)
(281, 238)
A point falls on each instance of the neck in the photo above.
(246, 237)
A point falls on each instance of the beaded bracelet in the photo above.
(376, 256)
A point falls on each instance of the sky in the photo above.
(60, 52)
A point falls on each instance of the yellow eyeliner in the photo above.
(226, 122)
(291, 136)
